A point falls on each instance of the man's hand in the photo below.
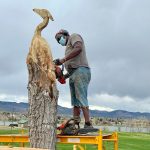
(62, 60)
(59, 62)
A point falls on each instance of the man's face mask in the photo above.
(62, 41)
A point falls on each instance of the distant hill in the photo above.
(23, 107)
(13, 106)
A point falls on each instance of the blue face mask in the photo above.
(62, 41)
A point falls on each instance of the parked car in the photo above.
(13, 125)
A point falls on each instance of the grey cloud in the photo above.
(121, 65)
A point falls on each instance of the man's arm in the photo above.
(77, 48)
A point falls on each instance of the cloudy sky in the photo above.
(116, 34)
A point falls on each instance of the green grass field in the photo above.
(127, 141)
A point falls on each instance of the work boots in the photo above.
(88, 125)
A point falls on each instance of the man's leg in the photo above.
(76, 111)
(81, 83)
(76, 114)
(87, 124)
(76, 108)
(85, 111)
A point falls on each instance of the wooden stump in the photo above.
(42, 109)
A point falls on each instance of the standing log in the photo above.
(42, 91)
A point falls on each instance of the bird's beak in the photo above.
(36, 10)
(33, 9)
(51, 18)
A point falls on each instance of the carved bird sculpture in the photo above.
(40, 52)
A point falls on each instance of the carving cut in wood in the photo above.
(42, 91)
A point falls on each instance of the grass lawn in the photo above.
(12, 131)
(127, 141)
(134, 141)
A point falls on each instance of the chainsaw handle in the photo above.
(62, 67)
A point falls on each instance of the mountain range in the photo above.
(23, 107)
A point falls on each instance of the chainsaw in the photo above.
(60, 76)
(72, 127)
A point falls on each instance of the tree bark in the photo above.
(42, 108)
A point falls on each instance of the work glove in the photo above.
(59, 75)
(57, 62)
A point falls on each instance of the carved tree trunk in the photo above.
(42, 92)
(42, 108)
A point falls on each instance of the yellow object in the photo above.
(77, 146)
(76, 140)
(18, 148)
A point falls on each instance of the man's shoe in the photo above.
(88, 125)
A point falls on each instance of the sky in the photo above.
(116, 35)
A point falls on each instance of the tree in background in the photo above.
(6, 116)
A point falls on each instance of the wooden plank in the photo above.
(18, 148)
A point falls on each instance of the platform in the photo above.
(76, 140)
(18, 148)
